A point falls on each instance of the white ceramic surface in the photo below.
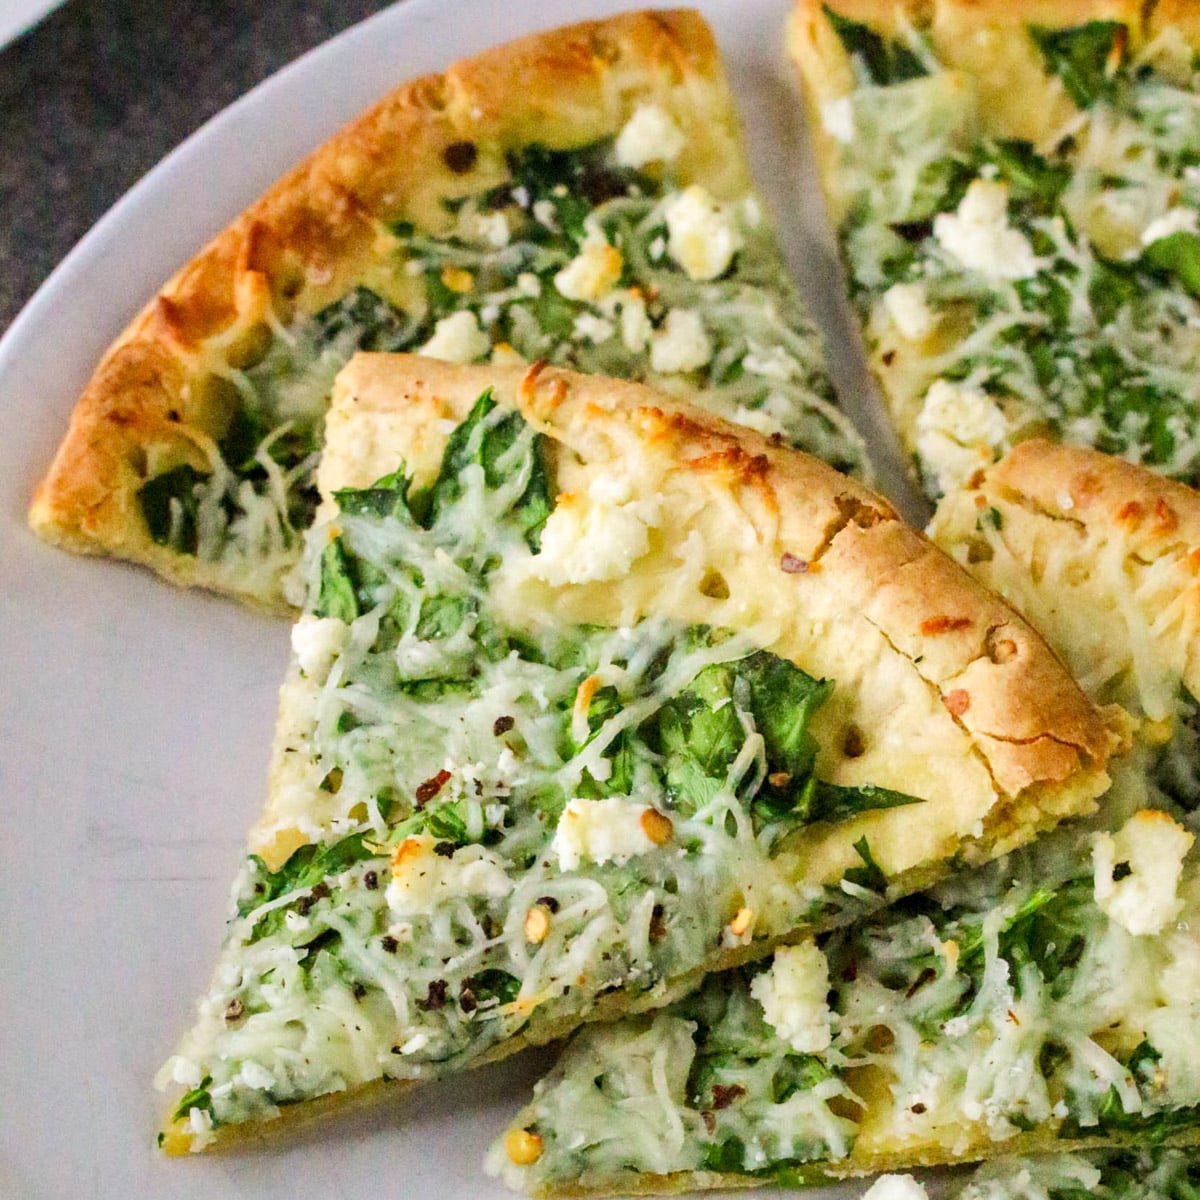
(136, 719)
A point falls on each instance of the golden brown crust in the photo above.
(992, 671)
(155, 400)
(1123, 544)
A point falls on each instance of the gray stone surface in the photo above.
(96, 94)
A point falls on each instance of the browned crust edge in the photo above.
(148, 406)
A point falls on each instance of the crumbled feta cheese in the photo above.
(701, 237)
(650, 135)
(1174, 220)
(491, 227)
(979, 236)
(593, 536)
(837, 117)
(457, 339)
(544, 213)
(895, 1187)
(959, 430)
(200, 1125)
(636, 330)
(255, 1075)
(421, 878)
(528, 284)
(772, 362)
(657, 248)
(600, 831)
(595, 329)
(794, 993)
(316, 643)
(908, 308)
(183, 1071)
(593, 272)
(1150, 847)
(682, 344)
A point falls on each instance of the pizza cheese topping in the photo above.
(1015, 997)
(477, 821)
(1012, 288)
(593, 258)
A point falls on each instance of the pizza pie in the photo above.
(1016, 192)
(580, 196)
(1047, 1000)
(594, 693)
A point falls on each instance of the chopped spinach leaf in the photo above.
(485, 440)
(869, 875)
(1177, 254)
(883, 60)
(1084, 57)
(170, 506)
(373, 323)
(386, 497)
(198, 1097)
(336, 597)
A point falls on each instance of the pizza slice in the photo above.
(1153, 1173)
(594, 693)
(580, 196)
(1048, 1000)
(1016, 193)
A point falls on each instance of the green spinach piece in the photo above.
(881, 59)
(386, 497)
(1033, 181)
(485, 441)
(574, 181)
(870, 875)
(156, 495)
(1177, 254)
(198, 1097)
(336, 596)
(1084, 57)
(305, 868)
(373, 323)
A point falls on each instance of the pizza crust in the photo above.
(1123, 547)
(156, 400)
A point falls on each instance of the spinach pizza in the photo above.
(1016, 192)
(579, 197)
(594, 693)
(1047, 1000)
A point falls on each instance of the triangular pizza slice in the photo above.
(594, 693)
(1049, 1000)
(1016, 194)
(579, 196)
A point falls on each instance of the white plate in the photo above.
(136, 719)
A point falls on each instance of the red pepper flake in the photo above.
(1165, 520)
(658, 924)
(710, 1120)
(957, 702)
(792, 564)
(724, 1096)
(430, 788)
(435, 998)
(1012, 1016)
(932, 626)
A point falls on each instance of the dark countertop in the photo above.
(95, 95)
